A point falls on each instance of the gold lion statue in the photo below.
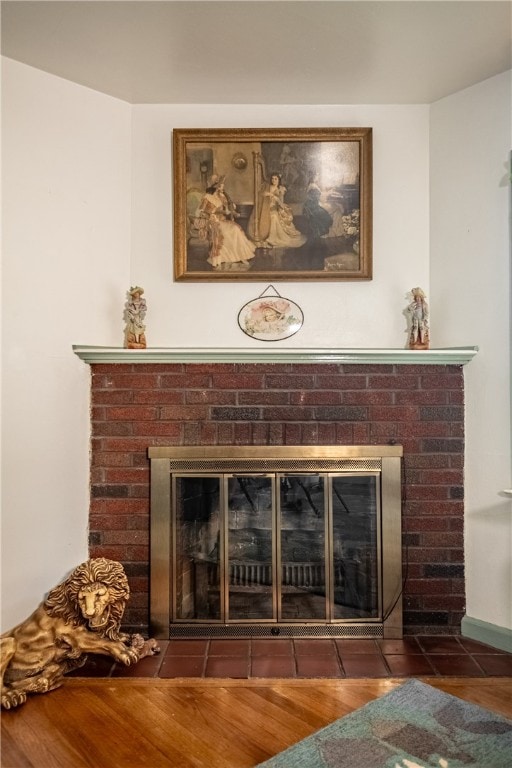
(80, 616)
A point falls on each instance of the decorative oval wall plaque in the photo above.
(270, 318)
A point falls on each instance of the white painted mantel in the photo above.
(446, 356)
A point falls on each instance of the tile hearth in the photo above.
(312, 658)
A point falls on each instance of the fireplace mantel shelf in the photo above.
(445, 356)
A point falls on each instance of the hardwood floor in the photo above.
(191, 723)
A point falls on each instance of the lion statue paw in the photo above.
(80, 616)
(12, 699)
(144, 647)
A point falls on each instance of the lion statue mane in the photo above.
(81, 615)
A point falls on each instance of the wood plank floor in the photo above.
(191, 723)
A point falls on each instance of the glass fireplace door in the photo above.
(198, 548)
(356, 545)
(276, 540)
(303, 548)
(276, 547)
(250, 561)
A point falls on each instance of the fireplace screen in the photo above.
(278, 541)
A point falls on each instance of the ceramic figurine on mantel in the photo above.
(134, 314)
(419, 334)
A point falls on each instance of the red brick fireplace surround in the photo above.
(418, 404)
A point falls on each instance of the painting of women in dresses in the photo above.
(271, 222)
(261, 205)
(216, 224)
(318, 220)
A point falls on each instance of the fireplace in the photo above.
(277, 541)
(237, 399)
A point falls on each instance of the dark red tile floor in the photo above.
(310, 658)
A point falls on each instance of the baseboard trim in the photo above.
(490, 634)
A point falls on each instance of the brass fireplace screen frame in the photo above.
(167, 463)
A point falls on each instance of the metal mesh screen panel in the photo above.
(247, 631)
(231, 465)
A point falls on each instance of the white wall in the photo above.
(337, 314)
(66, 249)
(470, 284)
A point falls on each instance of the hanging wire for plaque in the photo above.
(270, 317)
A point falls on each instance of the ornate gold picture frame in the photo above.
(273, 204)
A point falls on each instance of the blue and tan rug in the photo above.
(414, 726)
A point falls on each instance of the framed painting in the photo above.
(273, 204)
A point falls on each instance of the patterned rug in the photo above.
(414, 726)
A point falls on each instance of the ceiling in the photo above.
(264, 52)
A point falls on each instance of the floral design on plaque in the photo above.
(270, 318)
